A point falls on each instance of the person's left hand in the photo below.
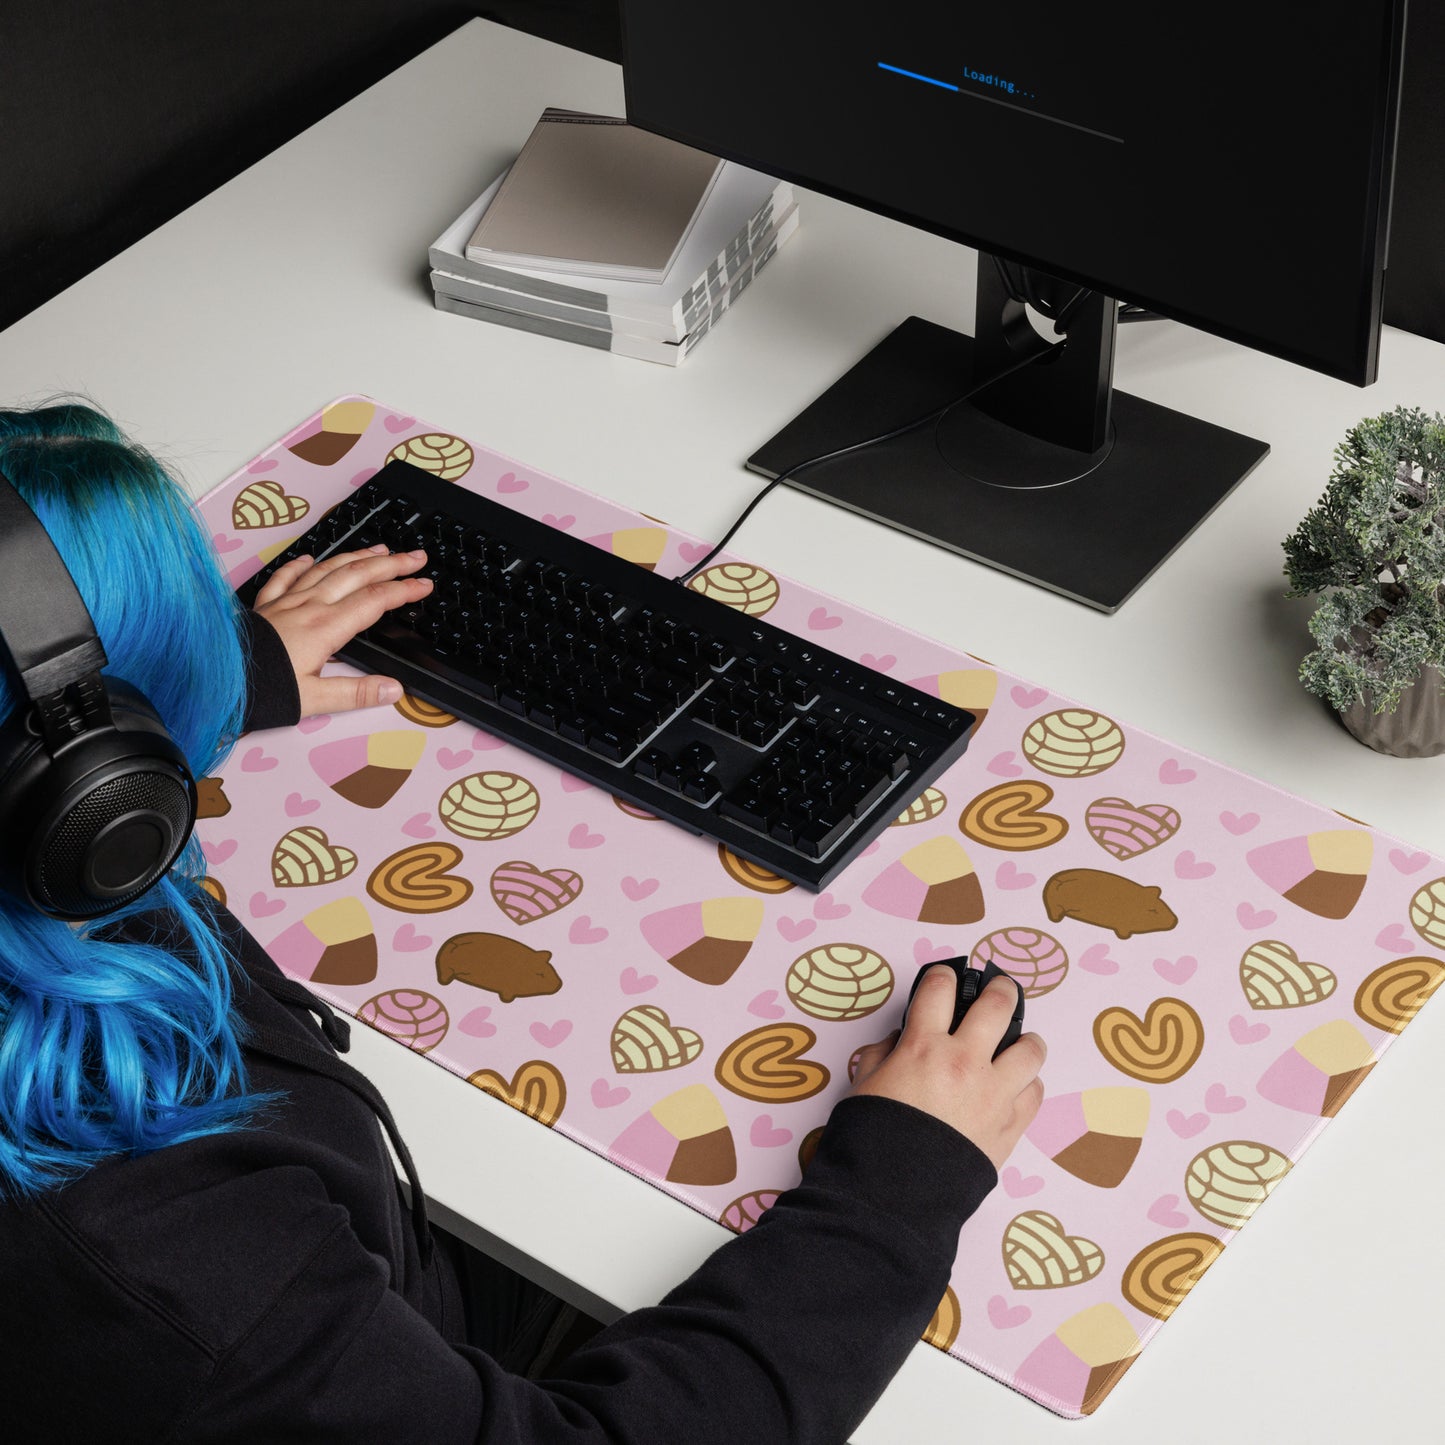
(318, 607)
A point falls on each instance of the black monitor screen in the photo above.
(1225, 164)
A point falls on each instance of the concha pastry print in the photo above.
(1124, 831)
(489, 805)
(306, 856)
(749, 589)
(839, 981)
(1427, 912)
(1274, 976)
(266, 504)
(1073, 743)
(1227, 1182)
(447, 456)
(410, 1016)
(1039, 1253)
(1036, 961)
(1323, 873)
(645, 1040)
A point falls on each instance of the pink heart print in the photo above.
(550, 1035)
(1002, 1316)
(766, 1005)
(631, 981)
(608, 1096)
(765, 1136)
(476, 1024)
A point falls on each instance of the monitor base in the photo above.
(1095, 540)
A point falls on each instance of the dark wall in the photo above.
(115, 116)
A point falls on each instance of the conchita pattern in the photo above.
(1216, 964)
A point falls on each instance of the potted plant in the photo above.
(1373, 549)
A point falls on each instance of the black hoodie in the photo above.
(270, 1285)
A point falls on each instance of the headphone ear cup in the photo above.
(98, 824)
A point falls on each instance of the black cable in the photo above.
(937, 414)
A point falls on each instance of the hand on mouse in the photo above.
(953, 1077)
(318, 607)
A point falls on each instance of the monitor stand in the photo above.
(1088, 501)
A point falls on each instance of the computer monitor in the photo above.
(1224, 165)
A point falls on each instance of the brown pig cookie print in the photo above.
(1107, 900)
(500, 965)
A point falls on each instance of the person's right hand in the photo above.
(955, 1077)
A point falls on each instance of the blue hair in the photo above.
(111, 1047)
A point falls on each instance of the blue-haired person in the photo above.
(203, 1236)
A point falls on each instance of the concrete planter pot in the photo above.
(1415, 729)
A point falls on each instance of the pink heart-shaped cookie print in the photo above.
(525, 892)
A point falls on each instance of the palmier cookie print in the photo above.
(537, 1090)
(1157, 1049)
(1010, 816)
(1395, 992)
(1073, 743)
(749, 874)
(767, 1065)
(423, 713)
(1162, 1273)
(418, 879)
(942, 1329)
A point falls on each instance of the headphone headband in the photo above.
(44, 623)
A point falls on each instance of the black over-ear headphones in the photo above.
(96, 797)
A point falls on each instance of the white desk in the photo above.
(305, 278)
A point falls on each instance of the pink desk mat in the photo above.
(1215, 964)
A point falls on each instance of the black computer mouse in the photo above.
(971, 983)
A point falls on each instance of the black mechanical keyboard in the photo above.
(791, 755)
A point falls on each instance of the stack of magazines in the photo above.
(611, 237)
